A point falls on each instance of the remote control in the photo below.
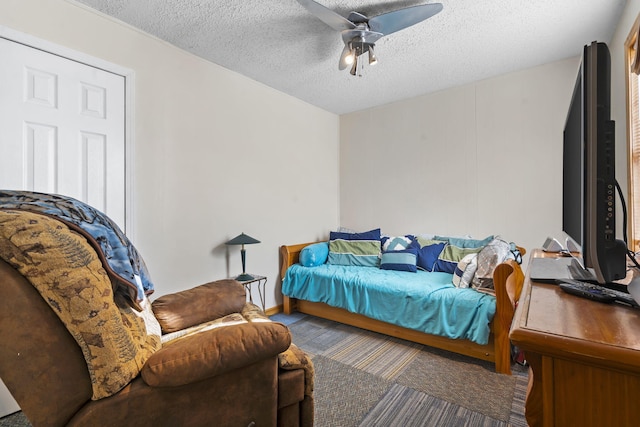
(596, 292)
(587, 290)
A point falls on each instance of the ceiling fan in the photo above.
(360, 33)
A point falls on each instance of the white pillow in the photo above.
(465, 270)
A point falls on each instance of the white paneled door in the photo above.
(62, 130)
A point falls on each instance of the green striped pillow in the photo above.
(358, 249)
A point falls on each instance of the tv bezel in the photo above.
(602, 253)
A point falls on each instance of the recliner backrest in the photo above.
(36, 348)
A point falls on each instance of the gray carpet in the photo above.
(15, 420)
(369, 379)
(337, 383)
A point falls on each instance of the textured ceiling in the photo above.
(282, 45)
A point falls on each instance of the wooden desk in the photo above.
(584, 358)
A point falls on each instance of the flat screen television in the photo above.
(589, 181)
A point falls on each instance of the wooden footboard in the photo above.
(508, 280)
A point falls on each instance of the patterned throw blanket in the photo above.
(66, 270)
(122, 259)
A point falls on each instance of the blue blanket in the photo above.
(423, 301)
(114, 247)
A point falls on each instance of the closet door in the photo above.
(62, 128)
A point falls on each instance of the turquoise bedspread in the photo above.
(424, 301)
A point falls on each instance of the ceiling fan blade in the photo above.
(357, 17)
(397, 20)
(328, 16)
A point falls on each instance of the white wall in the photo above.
(216, 154)
(480, 159)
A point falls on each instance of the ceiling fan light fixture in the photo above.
(354, 67)
(373, 59)
(351, 57)
(347, 57)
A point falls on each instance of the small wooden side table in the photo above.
(261, 283)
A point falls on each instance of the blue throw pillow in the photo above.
(314, 255)
(404, 260)
(362, 249)
(428, 253)
(396, 243)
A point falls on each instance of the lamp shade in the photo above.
(242, 239)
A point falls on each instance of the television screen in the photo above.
(573, 164)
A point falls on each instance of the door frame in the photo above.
(129, 80)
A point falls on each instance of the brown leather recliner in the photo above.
(225, 376)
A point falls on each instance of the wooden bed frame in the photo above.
(508, 280)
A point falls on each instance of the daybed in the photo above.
(393, 302)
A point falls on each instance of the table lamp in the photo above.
(243, 239)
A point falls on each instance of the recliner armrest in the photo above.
(198, 305)
(214, 352)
